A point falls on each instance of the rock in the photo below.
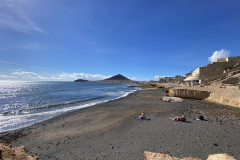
(161, 156)
(10, 152)
(223, 156)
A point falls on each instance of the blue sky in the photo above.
(94, 39)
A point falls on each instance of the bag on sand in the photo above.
(201, 117)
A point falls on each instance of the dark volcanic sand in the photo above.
(111, 130)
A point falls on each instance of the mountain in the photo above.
(81, 80)
(118, 77)
(115, 79)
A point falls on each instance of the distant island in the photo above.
(115, 79)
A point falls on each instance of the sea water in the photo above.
(25, 103)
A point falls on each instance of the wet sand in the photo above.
(111, 130)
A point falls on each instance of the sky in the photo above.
(64, 40)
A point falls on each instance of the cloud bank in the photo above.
(219, 54)
(29, 76)
(74, 76)
(32, 76)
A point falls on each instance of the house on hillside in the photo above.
(177, 79)
(213, 71)
(166, 79)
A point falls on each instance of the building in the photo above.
(167, 79)
(229, 59)
(213, 71)
(176, 79)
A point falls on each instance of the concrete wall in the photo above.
(215, 70)
(222, 96)
(188, 93)
(233, 58)
(222, 60)
(229, 59)
(196, 72)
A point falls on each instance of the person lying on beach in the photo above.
(182, 119)
(142, 116)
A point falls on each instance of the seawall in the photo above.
(229, 97)
(188, 93)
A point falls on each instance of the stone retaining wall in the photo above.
(229, 97)
(188, 93)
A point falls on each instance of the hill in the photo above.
(114, 79)
(118, 77)
(81, 80)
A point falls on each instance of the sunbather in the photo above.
(142, 116)
(182, 119)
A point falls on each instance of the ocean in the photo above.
(25, 103)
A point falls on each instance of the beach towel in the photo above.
(182, 121)
(145, 119)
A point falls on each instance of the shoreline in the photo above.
(111, 131)
(69, 113)
(79, 107)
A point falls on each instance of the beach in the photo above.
(111, 130)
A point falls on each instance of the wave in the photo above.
(50, 106)
(11, 121)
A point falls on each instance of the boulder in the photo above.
(9, 152)
(161, 156)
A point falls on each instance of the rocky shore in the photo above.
(111, 131)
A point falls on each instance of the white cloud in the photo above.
(7, 77)
(59, 77)
(29, 75)
(74, 76)
(219, 54)
(133, 78)
(13, 16)
(32, 76)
